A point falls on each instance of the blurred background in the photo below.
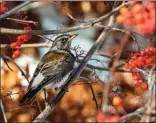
(77, 105)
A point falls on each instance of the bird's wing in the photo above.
(52, 66)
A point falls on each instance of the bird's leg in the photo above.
(45, 97)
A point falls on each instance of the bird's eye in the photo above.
(64, 39)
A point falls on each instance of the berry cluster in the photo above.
(139, 81)
(141, 59)
(3, 8)
(101, 117)
(142, 17)
(20, 40)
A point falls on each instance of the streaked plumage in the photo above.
(53, 69)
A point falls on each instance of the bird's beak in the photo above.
(72, 37)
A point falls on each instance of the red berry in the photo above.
(13, 45)
(137, 84)
(100, 116)
(136, 77)
(152, 49)
(27, 28)
(127, 66)
(19, 43)
(17, 52)
(117, 101)
(25, 38)
(144, 85)
(14, 56)
(137, 8)
(120, 19)
(114, 119)
(150, 5)
(19, 38)
(123, 10)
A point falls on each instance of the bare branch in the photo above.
(109, 69)
(92, 90)
(22, 21)
(3, 111)
(130, 115)
(14, 10)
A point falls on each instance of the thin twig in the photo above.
(109, 69)
(117, 29)
(14, 10)
(7, 64)
(3, 111)
(22, 21)
(92, 90)
(69, 15)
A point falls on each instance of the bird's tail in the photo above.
(28, 96)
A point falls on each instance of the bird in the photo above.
(53, 69)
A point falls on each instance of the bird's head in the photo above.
(63, 42)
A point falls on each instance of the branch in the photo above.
(119, 30)
(130, 115)
(138, 112)
(33, 45)
(73, 76)
(151, 82)
(60, 31)
(91, 88)
(109, 69)
(22, 21)
(14, 10)
(3, 111)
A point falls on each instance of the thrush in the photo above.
(53, 69)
